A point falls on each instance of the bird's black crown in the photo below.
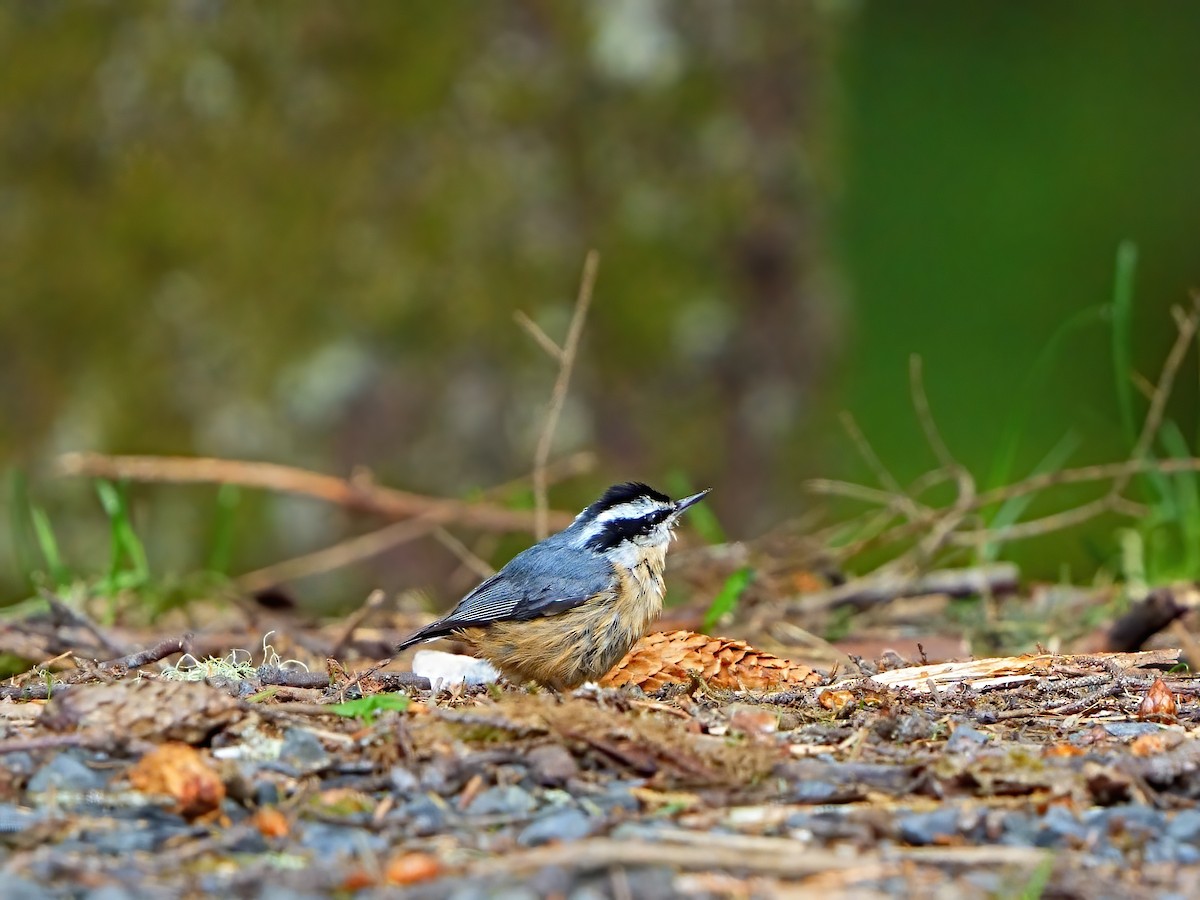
(616, 531)
(623, 493)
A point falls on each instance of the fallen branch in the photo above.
(883, 587)
(373, 543)
(159, 651)
(1004, 671)
(354, 494)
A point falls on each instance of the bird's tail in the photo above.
(430, 632)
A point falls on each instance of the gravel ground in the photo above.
(143, 788)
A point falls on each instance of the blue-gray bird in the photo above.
(567, 609)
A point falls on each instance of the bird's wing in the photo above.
(532, 585)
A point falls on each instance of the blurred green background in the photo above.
(299, 232)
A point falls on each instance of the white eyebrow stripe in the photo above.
(631, 509)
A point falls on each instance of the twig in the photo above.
(1186, 325)
(354, 494)
(158, 652)
(373, 602)
(558, 396)
(543, 340)
(54, 742)
(603, 853)
(294, 678)
(344, 553)
(364, 546)
(920, 402)
(463, 552)
(66, 613)
(997, 578)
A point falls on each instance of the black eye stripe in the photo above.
(619, 530)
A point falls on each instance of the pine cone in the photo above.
(673, 658)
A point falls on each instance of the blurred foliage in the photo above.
(298, 232)
(995, 157)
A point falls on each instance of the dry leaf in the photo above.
(182, 773)
(270, 822)
(409, 868)
(675, 657)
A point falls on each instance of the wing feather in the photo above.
(531, 586)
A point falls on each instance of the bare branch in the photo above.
(356, 494)
(543, 340)
(373, 543)
(558, 395)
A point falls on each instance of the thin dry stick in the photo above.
(1186, 324)
(963, 503)
(967, 502)
(463, 552)
(920, 401)
(898, 499)
(543, 340)
(373, 602)
(356, 494)
(364, 546)
(558, 396)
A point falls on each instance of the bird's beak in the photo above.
(681, 505)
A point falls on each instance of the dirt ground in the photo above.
(1045, 775)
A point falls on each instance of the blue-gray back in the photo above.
(548, 578)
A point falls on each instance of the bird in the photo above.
(565, 611)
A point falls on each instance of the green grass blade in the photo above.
(1012, 509)
(19, 510)
(727, 599)
(1186, 491)
(1031, 390)
(219, 558)
(366, 708)
(124, 544)
(48, 544)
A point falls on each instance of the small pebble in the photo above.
(552, 764)
(966, 738)
(338, 840)
(15, 819)
(404, 782)
(67, 772)
(925, 828)
(565, 825)
(422, 816)
(502, 801)
(303, 750)
(1185, 826)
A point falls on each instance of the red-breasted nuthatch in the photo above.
(567, 609)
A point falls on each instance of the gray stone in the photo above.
(15, 819)
(340, 840)
(564, 825)
(1185, 826)
(502, 801)
(966, 738)
(67, 772)
(404, 782)
(924, 828)
(422, 816)
(303, 750)
(552, 765)
(18, 888)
